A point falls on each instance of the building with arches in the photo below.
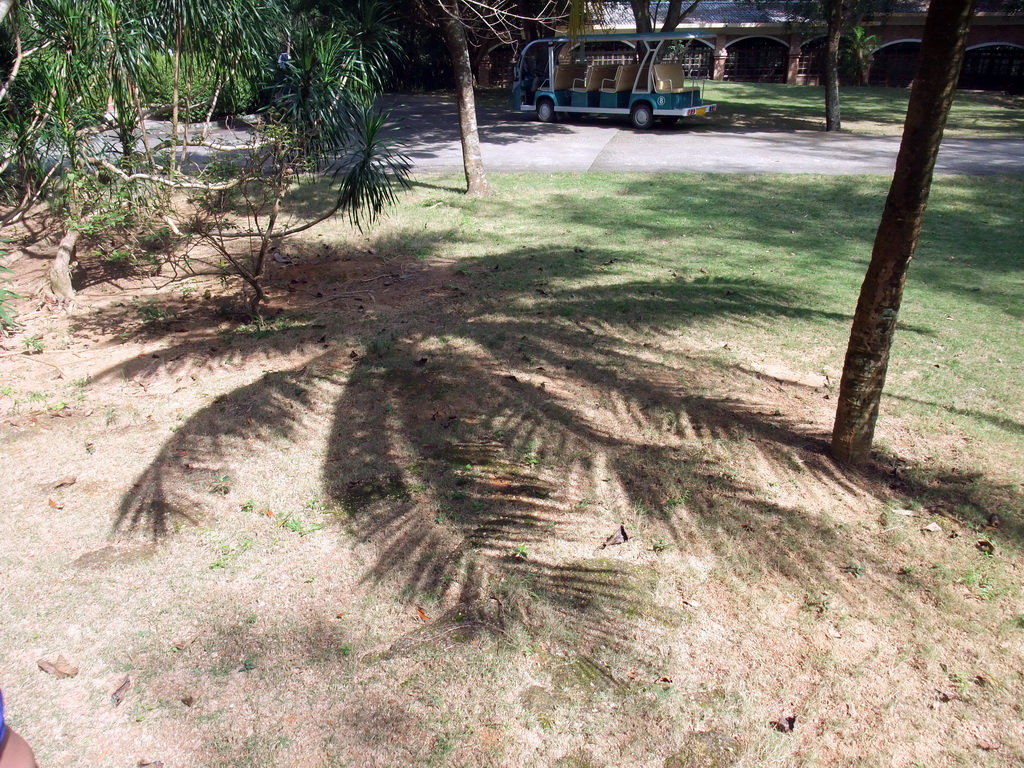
(763, 42)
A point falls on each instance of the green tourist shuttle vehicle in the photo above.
(646, 77)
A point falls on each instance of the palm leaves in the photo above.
(96, 66)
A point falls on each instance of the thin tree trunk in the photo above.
(458, 48)
(642, 15)
(176, 94)
(58, 277)
(675, 14)
(835, 31)
(867, 356)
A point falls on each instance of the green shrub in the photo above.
(236, 97)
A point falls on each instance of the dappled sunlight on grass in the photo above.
(873, 111)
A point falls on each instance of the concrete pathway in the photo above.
(518, 142)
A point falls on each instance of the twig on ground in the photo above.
(37, 360)
(344, 296)
(389, 274)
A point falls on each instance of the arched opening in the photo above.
(894, 65)
(811, 65)
(696, 56)
(996, 67)
(757, 60)
(494, 67)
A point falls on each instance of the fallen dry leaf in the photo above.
(148, 764)
(932, 527)
(986, 547)
(989, 745)
(619, 537)
(66, 481)
(905, 512)
(188, 701)
(54, 504)
(784, 724)
(833, 632)
(422, 614)
(59, 668)
(118, 695)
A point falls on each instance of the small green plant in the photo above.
(229, 553)
(519, 551)
(530, 458)
(660, 545)
(6, 313)
(248, 505)
(115, 255)
(151, 312)
(221, 484)
(819, 602)
(443, 515)
(33, 344)
(295, 525)
(961, 682)
(855, 569)
(315, 504)
(680, 500)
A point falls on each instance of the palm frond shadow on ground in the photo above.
(486, 460)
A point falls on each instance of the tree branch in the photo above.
(172, 183)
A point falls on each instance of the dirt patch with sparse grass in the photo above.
(372, 530)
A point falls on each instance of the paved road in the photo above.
(517, 142)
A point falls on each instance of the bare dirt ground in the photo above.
(370, 532)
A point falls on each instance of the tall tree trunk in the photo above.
(642, 15)
(458, 49)
(835, 31)
(58, 276)
(675, 14)
(867, 356)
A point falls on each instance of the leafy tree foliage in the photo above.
(103, 167)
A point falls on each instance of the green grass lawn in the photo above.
(872, 111)
(772, 264)
(876, 111)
